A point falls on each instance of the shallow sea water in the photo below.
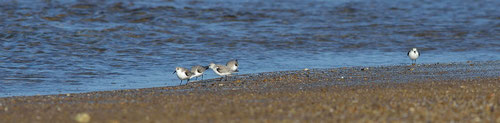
(73, 46)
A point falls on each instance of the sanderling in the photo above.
(233, 65)
(413, 54)
(183, 73)
(220, 70)
(198, 71)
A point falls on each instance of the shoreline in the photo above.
(332, 94)
(242, 76)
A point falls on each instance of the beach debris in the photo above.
(411, 69)
(221, 84)
(306, 69)
(342, 77)
(68, 95)
(364, 69)
(82, 117)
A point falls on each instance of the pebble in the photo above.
(412, 109)
(82, 117)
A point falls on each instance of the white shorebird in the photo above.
(198, 71)
(183, 73)
(413, 54)
(220, 70)
(233, 65)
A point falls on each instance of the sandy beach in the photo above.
(440, 92)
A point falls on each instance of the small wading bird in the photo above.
(233, 65)
(198, 71)
(183, 73)
(221, 70)
(413, 54)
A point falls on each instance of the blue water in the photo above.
(57, 47)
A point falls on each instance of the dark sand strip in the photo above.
(467, 92)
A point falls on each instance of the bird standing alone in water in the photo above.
(413, 54)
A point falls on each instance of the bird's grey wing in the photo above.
(218, 70)
(418, 54)
(223, 70)
(408, 53)
(188, 73)
(195, 68)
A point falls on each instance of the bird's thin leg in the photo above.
(180, 83)
(187, 81)
(202, 77)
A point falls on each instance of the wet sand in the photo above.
(466, 92)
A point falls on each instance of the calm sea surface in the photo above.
(72, 46)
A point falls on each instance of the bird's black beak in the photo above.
(174, 72)
(206, 67)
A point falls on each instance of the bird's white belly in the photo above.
(413, 56)
(182, 75)
(196, 74)
(233, 68)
